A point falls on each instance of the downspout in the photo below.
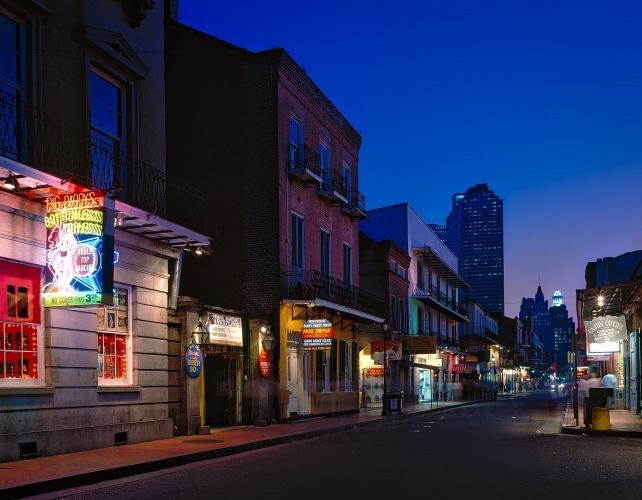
(175, 269)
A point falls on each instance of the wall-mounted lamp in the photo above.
(200, 334)
(119, 219)
(268, 341)
(199, 250)
(11, 182)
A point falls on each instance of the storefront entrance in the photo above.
(223, 397)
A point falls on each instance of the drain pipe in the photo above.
(175, 268)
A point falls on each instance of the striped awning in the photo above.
(459, 368)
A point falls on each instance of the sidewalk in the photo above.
(623, 424)
(47, 474)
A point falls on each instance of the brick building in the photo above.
(280, 163)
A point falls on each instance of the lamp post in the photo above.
(494, 360)
(385, 326)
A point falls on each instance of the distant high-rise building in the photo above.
(562, 328)
(440, 231)
(534, 311)
(475, 234)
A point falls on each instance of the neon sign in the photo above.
(79, 252)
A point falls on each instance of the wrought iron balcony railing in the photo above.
(333, 186)
(43, 142)
(439, 297)
(356, 206)
(311, 285)
(305, 163)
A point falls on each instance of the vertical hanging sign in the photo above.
(79, 255)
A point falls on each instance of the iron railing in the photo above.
(311, 285)
(332, 182)
(356, 203)
(303, 157)
(29, 136)
(439, 297)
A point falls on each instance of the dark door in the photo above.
(220, 390)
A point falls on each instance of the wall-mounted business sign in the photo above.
(79, 254)
(420, 344)
(225, 330)
(393, 350)
(603, 334)
(193, 360)
(317, 334)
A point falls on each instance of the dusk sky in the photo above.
(541, 99)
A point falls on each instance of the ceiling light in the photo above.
(11, 182)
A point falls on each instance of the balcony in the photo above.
(440, 300)
(333, 187)
(356, 206)
(309, 286)
(44, 143)
(305, 164)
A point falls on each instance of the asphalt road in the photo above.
(505, 449)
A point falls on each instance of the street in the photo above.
(508, 448)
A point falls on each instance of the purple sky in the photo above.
(541, 99)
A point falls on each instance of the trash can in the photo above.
(597, 398)
(395, 401)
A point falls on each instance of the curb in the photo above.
(120, 472)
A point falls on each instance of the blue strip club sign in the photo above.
(79, 254)
(317, 334)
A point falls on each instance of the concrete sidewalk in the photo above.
(48, 474)
(623, 424)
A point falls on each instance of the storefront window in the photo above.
(19, 320)
(18, 351)
(114, 341)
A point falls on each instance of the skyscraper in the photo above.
(562, 328)
(475, 234)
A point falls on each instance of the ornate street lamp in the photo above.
(269, 340)
(200, 334)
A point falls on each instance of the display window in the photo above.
(114, 341)
(19, 329)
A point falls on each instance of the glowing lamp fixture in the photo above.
(268, 341)
(11, 182)
(200, 334)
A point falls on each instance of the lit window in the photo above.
(114, 341)
(19, 324)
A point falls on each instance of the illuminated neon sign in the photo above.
(79, 253)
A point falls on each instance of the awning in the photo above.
(459, 369)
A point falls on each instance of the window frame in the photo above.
(21, 275)
(347, 263)
(128, 379)
(298, 241)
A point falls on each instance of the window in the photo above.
(348, 363)
(421, 328)
(394, 314)
(347, 263)
(323, 370)
(20, 353)
(347, 177)
(114, 341)
(325, 253)
(401, 271)
(324, 153)
(298, 243)
(13, 86)
(403, 316)
(420, 276)
(296, 143)
(108, 131)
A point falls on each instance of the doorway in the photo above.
(222, 392)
